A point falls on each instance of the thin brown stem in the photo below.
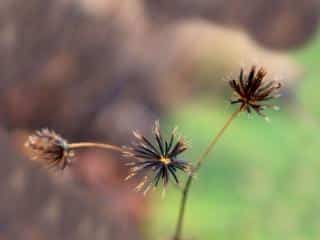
(198, 163)
(94, 145)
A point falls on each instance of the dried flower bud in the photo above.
(49, 147)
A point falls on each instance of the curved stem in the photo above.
(198, 163)
(94, 145)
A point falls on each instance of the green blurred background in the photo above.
(262, 179)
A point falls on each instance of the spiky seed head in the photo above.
(156, 160)
(252, 90)
(50, 148)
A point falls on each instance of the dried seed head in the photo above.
(156, 160)
(49, 147)
(252, 90)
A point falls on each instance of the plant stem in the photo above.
(94, 145)
(198, 163)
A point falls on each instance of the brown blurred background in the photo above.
(97, 69)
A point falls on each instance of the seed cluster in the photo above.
(156, 160)
(252, 90)
(48, 146)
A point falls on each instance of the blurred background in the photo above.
(98, 69)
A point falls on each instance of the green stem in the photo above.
(198, 163)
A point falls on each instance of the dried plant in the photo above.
(157, 160)
(252, 90)
(48, 146)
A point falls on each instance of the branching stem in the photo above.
(198, 163)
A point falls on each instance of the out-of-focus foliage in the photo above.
(279, 24)
(262, 181)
